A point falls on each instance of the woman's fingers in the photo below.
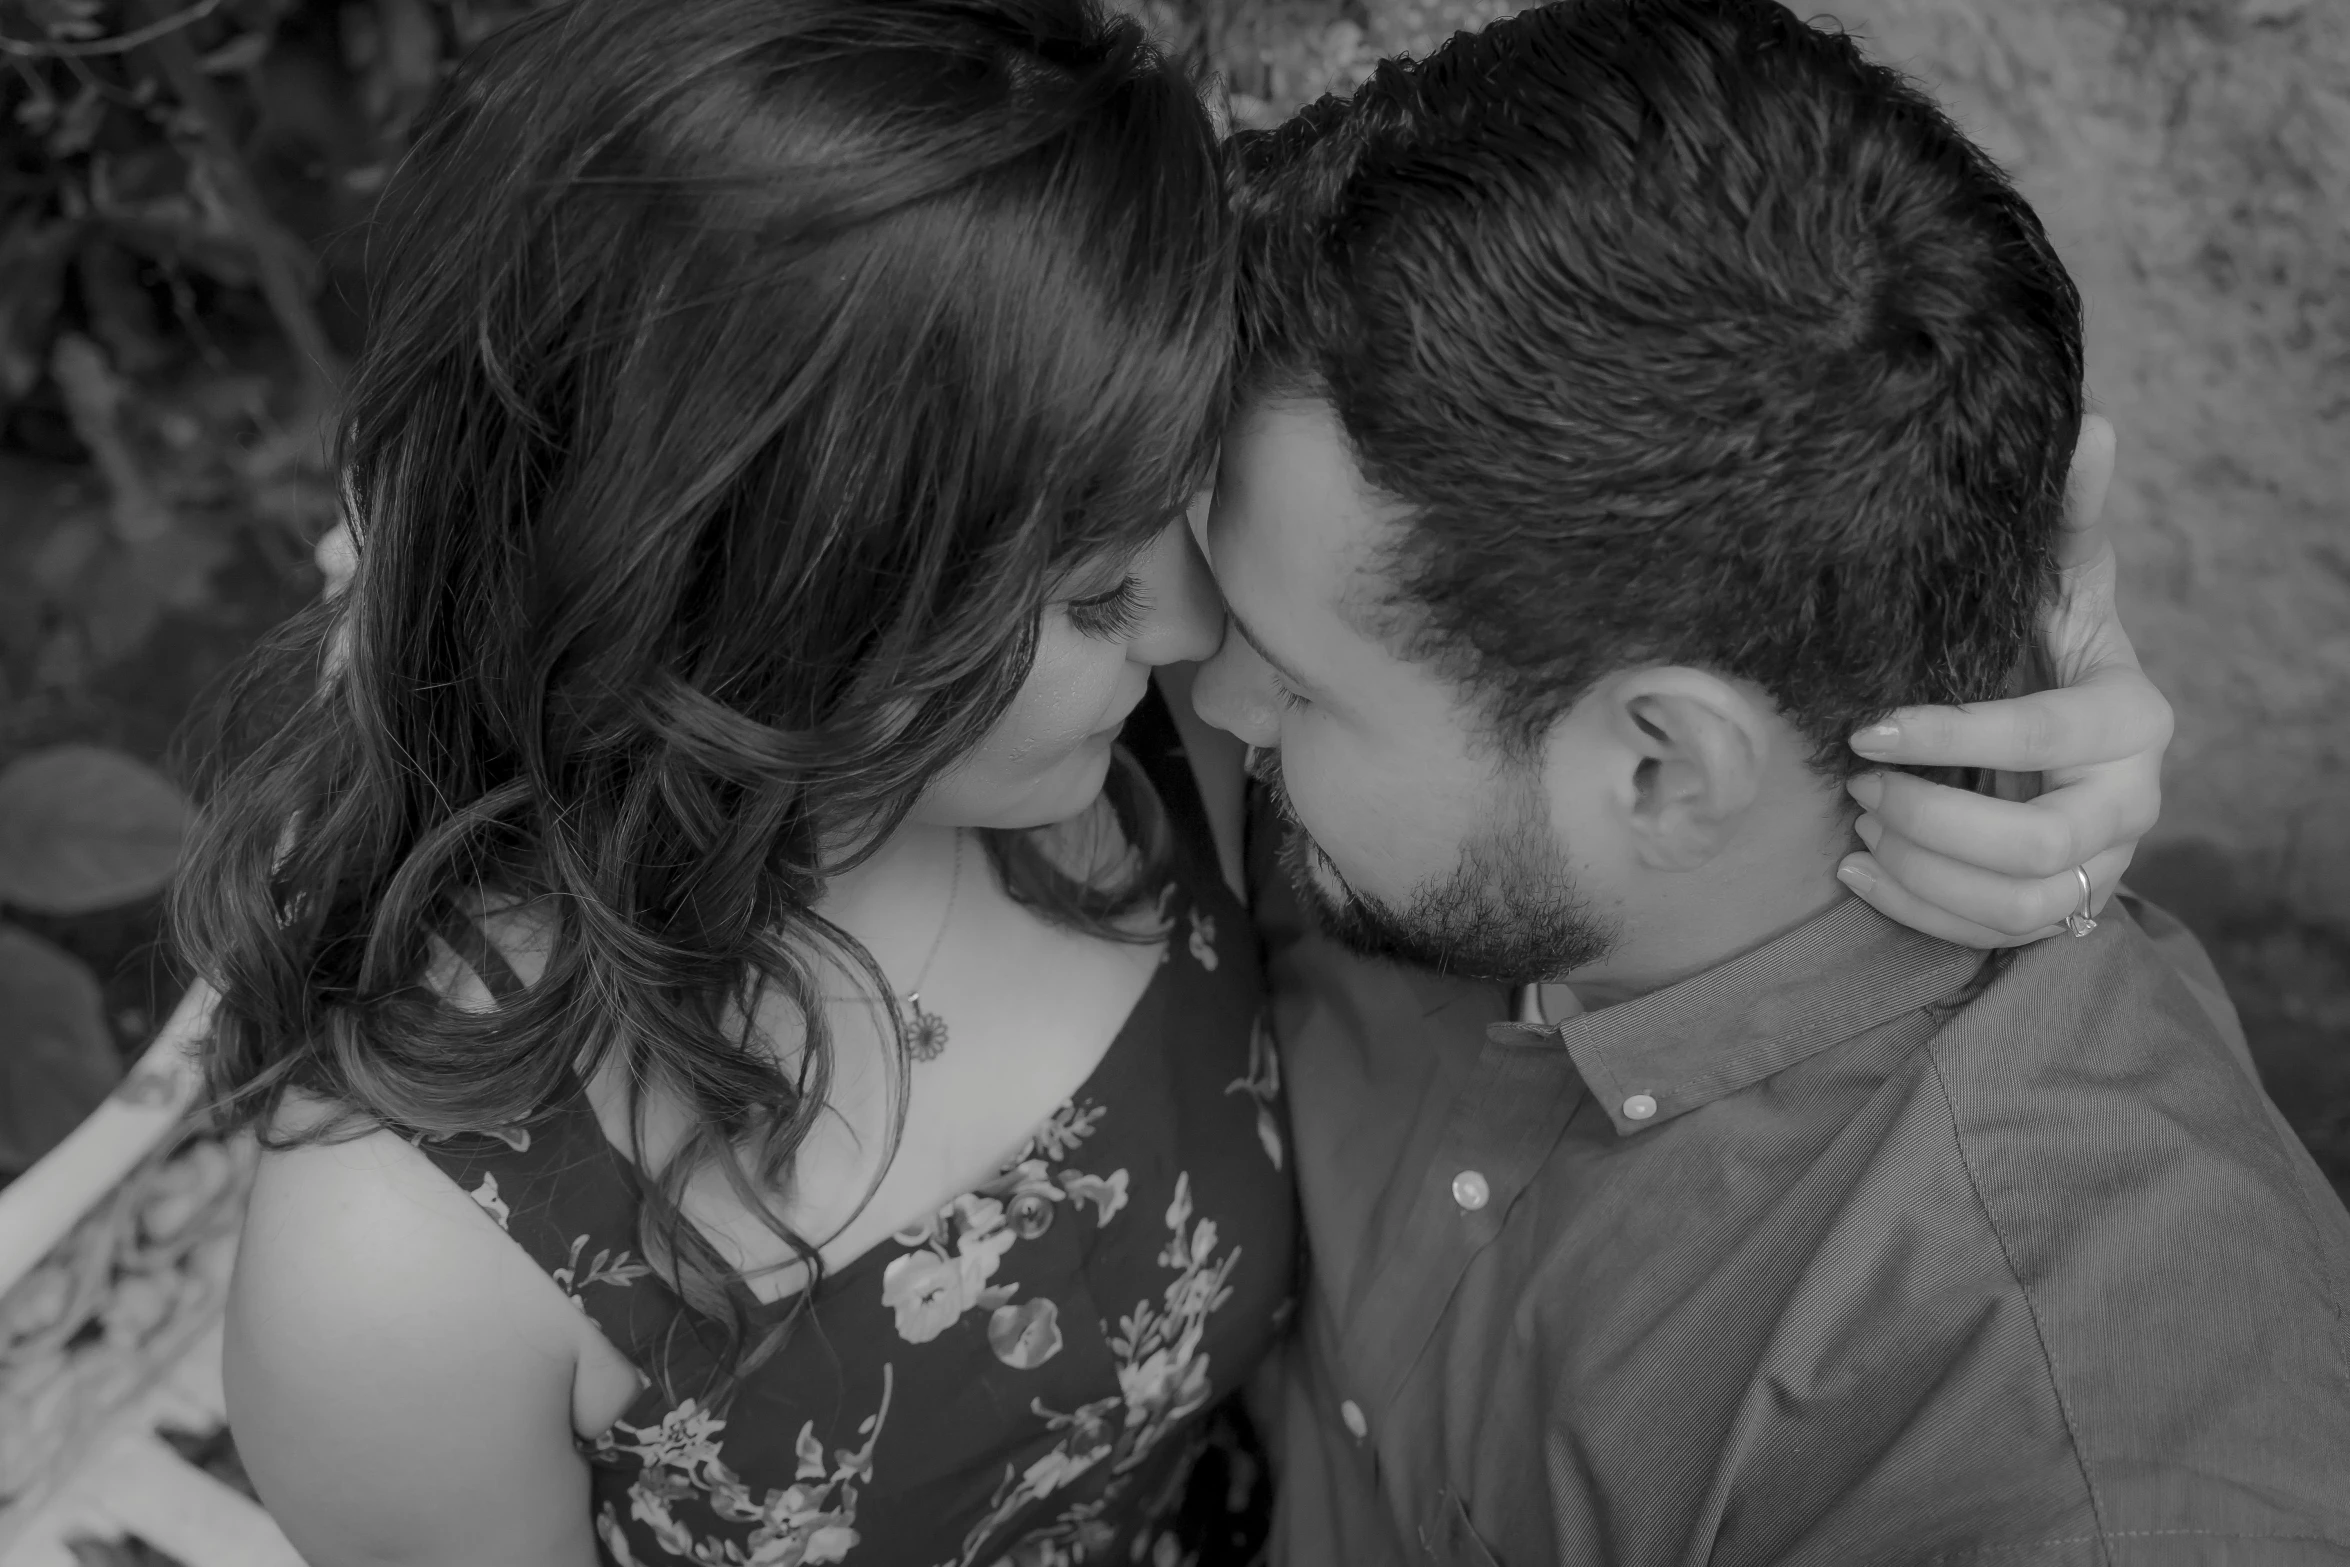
(2084, 537)
(1888, 897)
(2112, 714)
(2107, 808)
(1950, 896)
(1988, 872)
(337, 557)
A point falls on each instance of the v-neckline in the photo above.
(886, 1247)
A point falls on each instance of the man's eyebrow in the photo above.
(1258, 648)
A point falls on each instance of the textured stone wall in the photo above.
(2192, 160)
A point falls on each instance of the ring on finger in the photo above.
(2079, 922)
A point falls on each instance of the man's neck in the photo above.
(1687, 922)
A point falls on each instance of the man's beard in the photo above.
(1509, 911)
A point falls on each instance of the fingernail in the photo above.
(1857, 879)
(1877, 739)
(1868, 789)
(1870, 830)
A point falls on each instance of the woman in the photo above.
(760, 1062)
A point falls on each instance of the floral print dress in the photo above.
(1028, 1376)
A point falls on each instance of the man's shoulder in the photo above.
(2178, 949)
(2138, 990)
(2186, 1265)
(2078, 1287)
(2115, 1061)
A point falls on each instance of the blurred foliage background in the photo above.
(183, 202)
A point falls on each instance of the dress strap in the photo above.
(555, 1185)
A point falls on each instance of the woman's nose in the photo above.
(1187, 614)
(1235, 692)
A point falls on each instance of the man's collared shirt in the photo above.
(1859, 1248)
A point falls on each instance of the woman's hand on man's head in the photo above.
(1988, 872)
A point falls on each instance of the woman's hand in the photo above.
(337, 556)
(1988, 872)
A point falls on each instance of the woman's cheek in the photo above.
(1021, 773)
(1070, 692)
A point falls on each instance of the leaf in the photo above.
(39, 109)
(78, 126)
(180, 223)
(67, 20)
(84, 828)
(405, 64)
(63, 556)
(33, 256)
(94, 398)
(125, 596)
(57, 1061)
(241, 53)
(122, 316)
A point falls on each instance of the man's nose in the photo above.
(1235, 692)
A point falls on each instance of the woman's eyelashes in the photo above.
(1112, 616)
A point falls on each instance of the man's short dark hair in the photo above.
(1686, 334)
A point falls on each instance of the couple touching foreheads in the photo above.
(787, 1036)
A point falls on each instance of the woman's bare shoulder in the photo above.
(363, 1222)
(384, 1341)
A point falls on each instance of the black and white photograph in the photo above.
(1174, 783)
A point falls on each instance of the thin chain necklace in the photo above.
(927, 1035)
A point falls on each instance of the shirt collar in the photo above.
(1840, 973)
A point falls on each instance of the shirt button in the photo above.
(1352, 1413)
(1639, 1107)
(1470, 1191)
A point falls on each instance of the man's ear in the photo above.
(1694, 749)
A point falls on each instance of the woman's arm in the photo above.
(1989, 872)
(399, 1375)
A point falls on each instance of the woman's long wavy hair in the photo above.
(743, 377)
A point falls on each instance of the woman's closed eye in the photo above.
(1114, 615)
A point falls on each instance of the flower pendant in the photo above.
(926, 1032)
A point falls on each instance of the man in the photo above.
(1639, 397)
